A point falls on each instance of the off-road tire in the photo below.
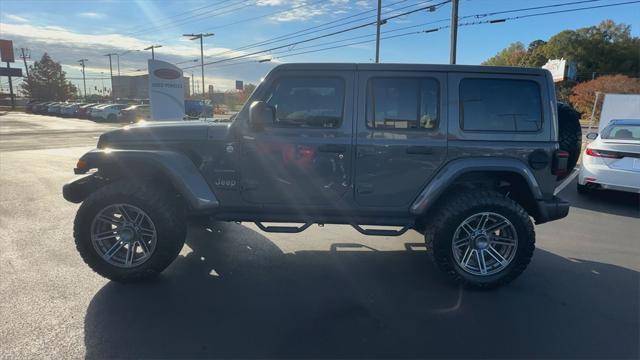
(453, 211)
(168, 218)
(569, 134)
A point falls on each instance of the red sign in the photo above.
(6, 51)
(167, 74)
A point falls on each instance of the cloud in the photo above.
(67, 47)
(302, 10)
(16, 18)
(92, 15)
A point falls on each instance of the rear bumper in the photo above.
(602, 176)
(554, 209)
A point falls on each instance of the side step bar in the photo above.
(283, 229)
(381, 232)
(297, 229)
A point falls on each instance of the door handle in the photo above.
(418, 150)
(332, 148)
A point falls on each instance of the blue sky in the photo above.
(71, 30)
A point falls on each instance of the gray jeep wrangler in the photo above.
(466, 155)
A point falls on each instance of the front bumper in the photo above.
(79, 188)
(549, 210)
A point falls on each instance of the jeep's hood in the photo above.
(165, 131)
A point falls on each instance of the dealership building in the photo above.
(137, 87)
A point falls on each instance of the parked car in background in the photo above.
(82, 112)
(70, 110)
(612, 160)
(94, 110)
(54, 109)
(136, 113)
(40, 108)
(109, 112)
(198, 108)
(30, 105)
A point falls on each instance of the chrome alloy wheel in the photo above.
(484, 244)
(123, 235)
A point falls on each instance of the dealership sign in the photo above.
(561, 69)
(166, 91)
(6, 51)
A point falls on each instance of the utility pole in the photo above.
(24, 58)
(454, 31)
(200, 36)
(13, 98)
(84, 79)
(111, 73)
(193, 88)
(378, 32)
(153, 55)
(118, 61)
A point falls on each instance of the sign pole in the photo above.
(13, 99)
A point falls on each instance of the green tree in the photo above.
(607, 48)
(535, 56)
(510, 56)
(47, 81)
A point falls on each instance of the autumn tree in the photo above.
(47, 81)
(607, 48)
(584, 94)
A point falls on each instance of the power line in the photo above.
(316, 28)
(325, 35)
(194, 18)
(492, 21)
(554, 12)
(267, 15)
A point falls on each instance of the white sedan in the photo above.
(109, 112)
(612, 160)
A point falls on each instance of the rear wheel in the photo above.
(481, 239)
(127, 232)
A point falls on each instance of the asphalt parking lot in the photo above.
(330, 292)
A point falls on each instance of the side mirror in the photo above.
(261, 113)
(592, 136)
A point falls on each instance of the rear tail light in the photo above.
(560, 160)
(602, 154)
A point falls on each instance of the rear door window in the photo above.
(402, 103)
(500, 105)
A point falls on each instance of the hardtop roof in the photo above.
(412, 67)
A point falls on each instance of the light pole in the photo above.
(153, 55)
(111, 73)
(84, 79)
(200, 36)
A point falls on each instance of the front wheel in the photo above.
(481, 239)
(127, 232)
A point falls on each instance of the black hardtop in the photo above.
(411, 67)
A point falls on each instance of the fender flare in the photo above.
(454, 169)
(177, 167)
